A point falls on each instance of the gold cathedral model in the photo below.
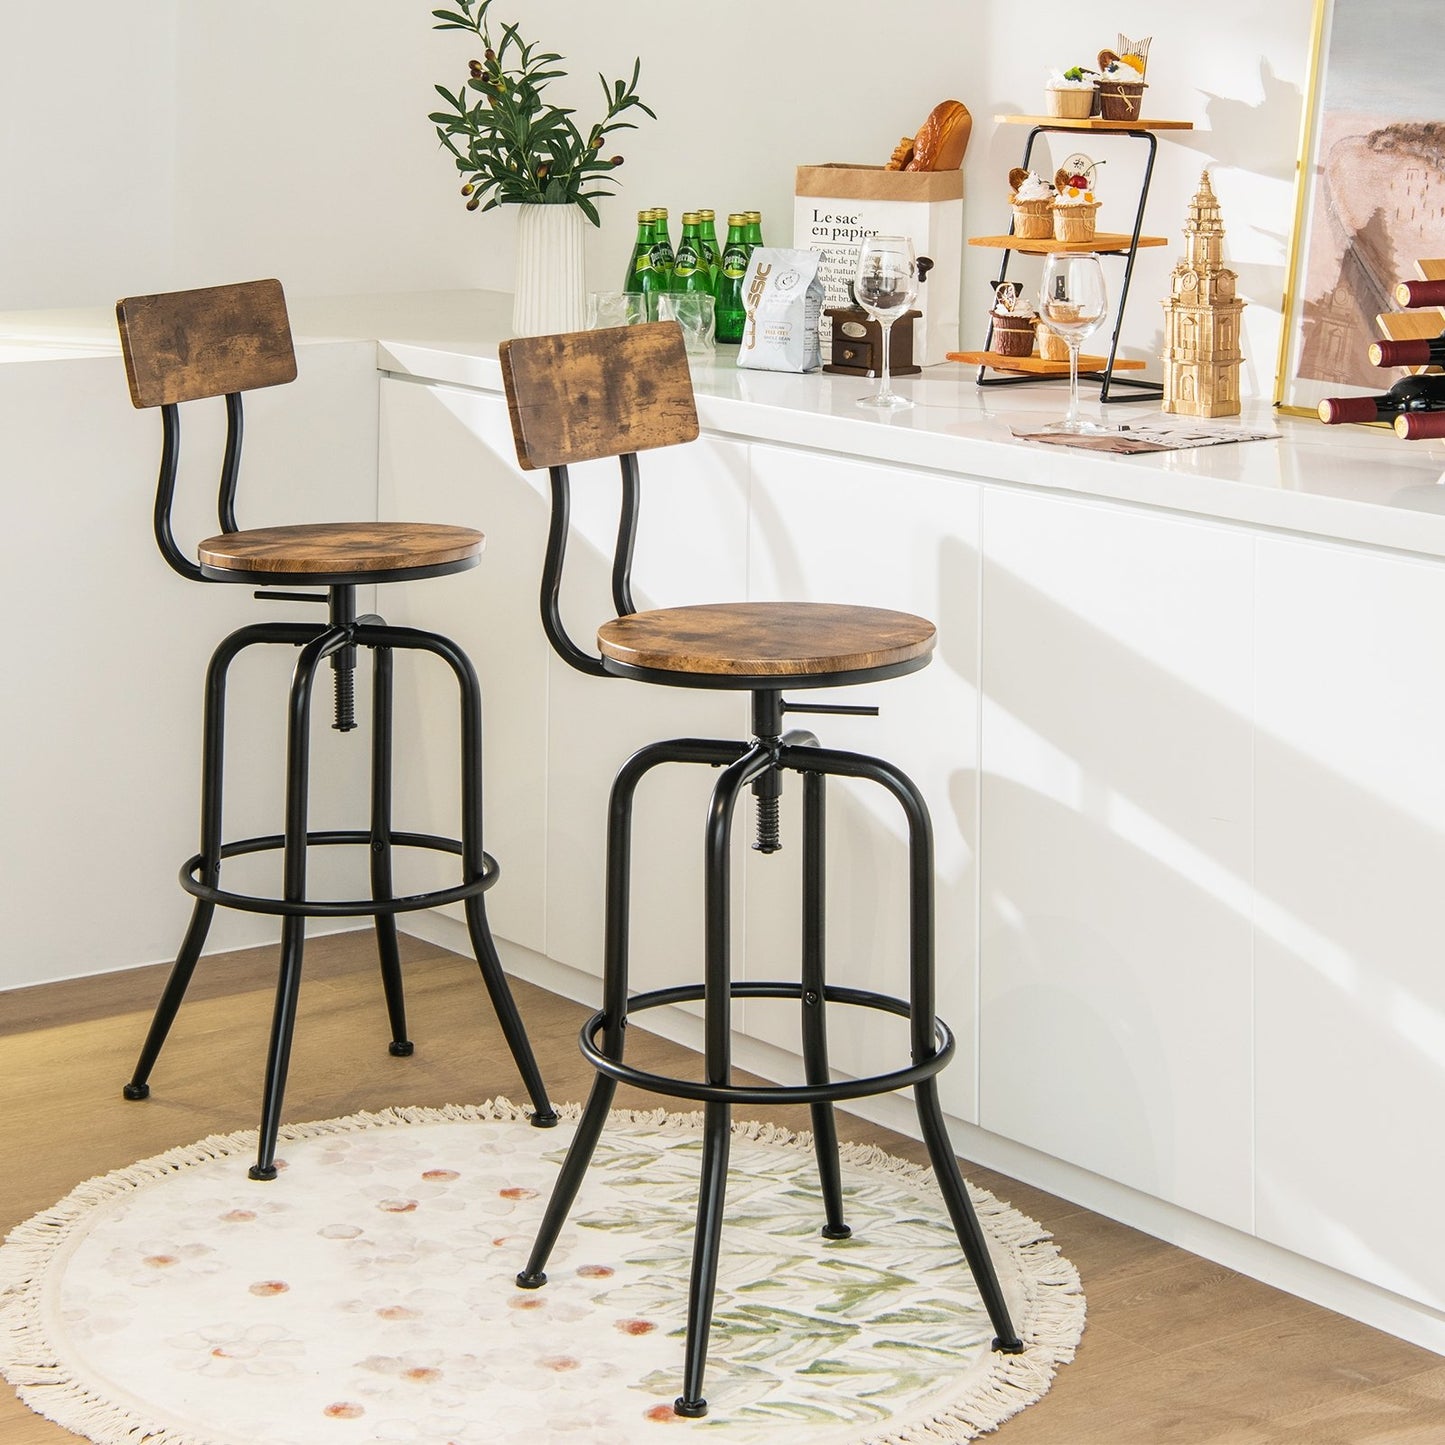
(1201, 319)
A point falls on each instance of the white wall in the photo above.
(208, 142)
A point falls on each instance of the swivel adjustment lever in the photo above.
(838, 709)
(266, 595)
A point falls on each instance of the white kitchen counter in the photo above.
(1352, 484)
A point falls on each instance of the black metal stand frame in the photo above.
(758, 765)
(1146, 390)
(335, 641)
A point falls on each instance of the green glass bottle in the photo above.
(731, 315)
(689, 270)
(641, 253)
(711, 251)
(662, 256)
(754, 232)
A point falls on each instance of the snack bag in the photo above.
(783, 296)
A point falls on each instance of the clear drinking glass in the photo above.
(693, 311)
(885, 287)
(1073, 301)
(615, 308)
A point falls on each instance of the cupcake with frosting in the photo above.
(1120, 82)
(1032, 199)
(1013, 320)
(1075, 208)
(1070, 94)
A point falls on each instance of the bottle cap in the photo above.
(753, 216)
(1400, 353)
(707, 215)
(1337, 409)
(737, 218)
(1420, 425)
(691, 218)
(1420, 293)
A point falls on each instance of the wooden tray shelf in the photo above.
(1055, 122)
(1102, 241)
(1037, 366)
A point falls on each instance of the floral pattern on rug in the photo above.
(367, 1296)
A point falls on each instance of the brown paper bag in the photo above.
(836, 206)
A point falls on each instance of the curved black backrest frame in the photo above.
(186, 345)
(582, 396)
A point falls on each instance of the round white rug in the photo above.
(367, 1295)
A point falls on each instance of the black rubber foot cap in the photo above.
(263, 1176)
(689, 1409)
(544, 1121)
(1008, 1347)
(401, 1048)
(841, 1232)
(137, 1091)
(531, 1281)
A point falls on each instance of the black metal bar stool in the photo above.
(222, 341)
(615, 393)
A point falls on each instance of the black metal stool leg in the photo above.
(569, 1180)
(717, 1065)
(387, 950)
(170, 1000)
(706, 1250)
(474, 858)
(544, 1116)
(815, 1037)
(965, 1221)
(614, 1005)
(921, 1026)
(213, 730)
(293, 928)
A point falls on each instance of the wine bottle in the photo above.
(1418, 351)
(1416, 426)
(1420, 293)
(1410, 393)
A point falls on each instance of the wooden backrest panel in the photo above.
(183, 345)
(603, 393)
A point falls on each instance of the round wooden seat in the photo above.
(332, 553)
(736, 643)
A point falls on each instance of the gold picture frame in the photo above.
(1372, 149)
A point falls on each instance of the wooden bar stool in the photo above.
(615, 393)
(222, 341)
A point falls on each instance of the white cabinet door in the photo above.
(1116, 977)
(446, 455)
(829, 530)
(691, 547)
(1351, 812)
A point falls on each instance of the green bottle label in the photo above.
(687, 260)
(735, 262)
(643, 262)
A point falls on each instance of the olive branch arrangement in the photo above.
(511, 145)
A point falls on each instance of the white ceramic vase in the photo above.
(551, 287)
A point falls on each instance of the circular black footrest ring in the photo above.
(895, 1079)
(337, 908)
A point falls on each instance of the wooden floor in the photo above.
(1177, 1350)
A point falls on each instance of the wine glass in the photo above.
(885, 287)
(1073, 301)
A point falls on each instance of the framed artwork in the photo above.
(1370, 197)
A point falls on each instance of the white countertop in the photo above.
(1350, 484)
